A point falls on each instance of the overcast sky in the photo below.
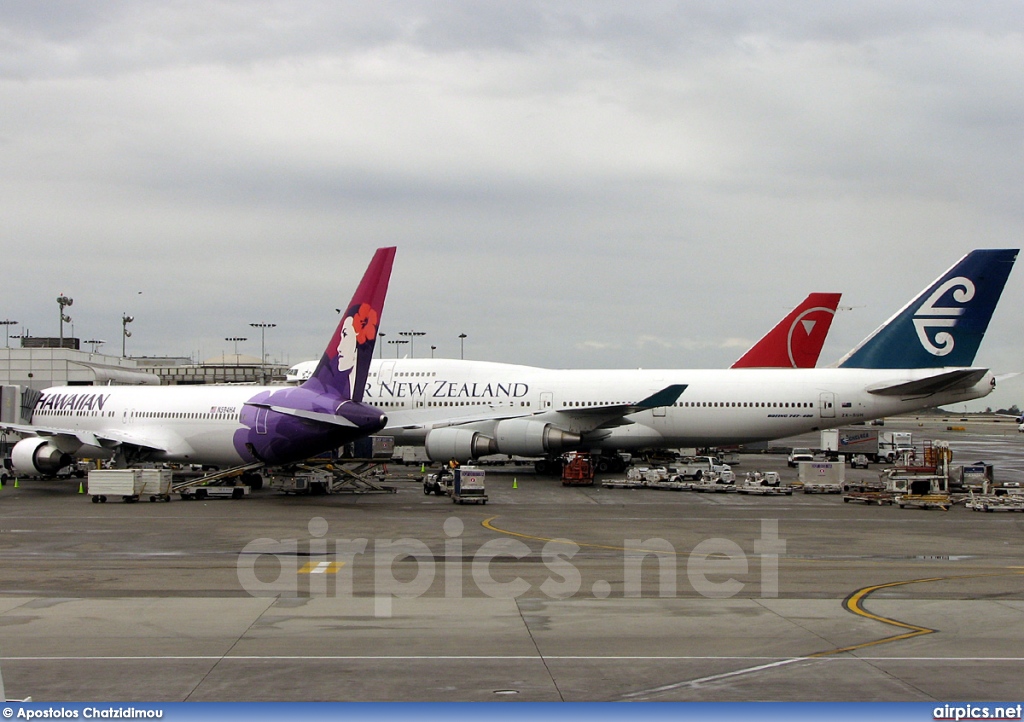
(570, 184)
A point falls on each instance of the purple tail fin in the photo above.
(345, 364)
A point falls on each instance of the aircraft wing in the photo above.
(589, 418)
(106, 440)
(666, 397)
(481, 417)
(582, 418)
(946, 381)
(85, 438)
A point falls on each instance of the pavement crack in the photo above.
(543, 659)
(188, 697)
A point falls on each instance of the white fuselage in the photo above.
(194, 423)
(197, 424)
(718, 406)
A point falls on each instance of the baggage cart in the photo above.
(870, 497)
(622, 484)
(925, 501)
(990, 502)
(156, 484)
(822, 477)
(469, 486)
(212, 491)
(125, 483)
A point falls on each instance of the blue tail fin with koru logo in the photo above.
(943, 326)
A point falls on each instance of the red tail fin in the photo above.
(796, 342)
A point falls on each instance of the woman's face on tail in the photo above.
(347, 345)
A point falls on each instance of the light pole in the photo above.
(462, 345)
(125, 333)
(236, 339)
(63, 301)
(432, 350)
(397, 343)
(412, 340)
(380, 344)
(263, 348)
(7, 332)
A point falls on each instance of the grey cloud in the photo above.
(563, 180)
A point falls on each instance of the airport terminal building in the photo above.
(43, 362)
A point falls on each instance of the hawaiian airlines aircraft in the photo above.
(921, 357)
(221, 426)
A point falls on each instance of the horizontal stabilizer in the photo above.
(317, 416)
(948, 381)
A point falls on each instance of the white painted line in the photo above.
(471, 657)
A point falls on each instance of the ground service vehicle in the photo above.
(798, 455)
(876, 445)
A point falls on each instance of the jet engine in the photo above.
(37, 455)
(529, 437)
(460, 444)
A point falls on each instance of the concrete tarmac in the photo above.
(546, 593)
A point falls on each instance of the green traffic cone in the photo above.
(515, 483)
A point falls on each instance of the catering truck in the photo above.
(876, 445)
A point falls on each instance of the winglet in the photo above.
(797, 339)
(666, 397)
(343, 368)
(944, 324)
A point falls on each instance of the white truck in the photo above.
(697, 466)
(877, 446)
(799, 454)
